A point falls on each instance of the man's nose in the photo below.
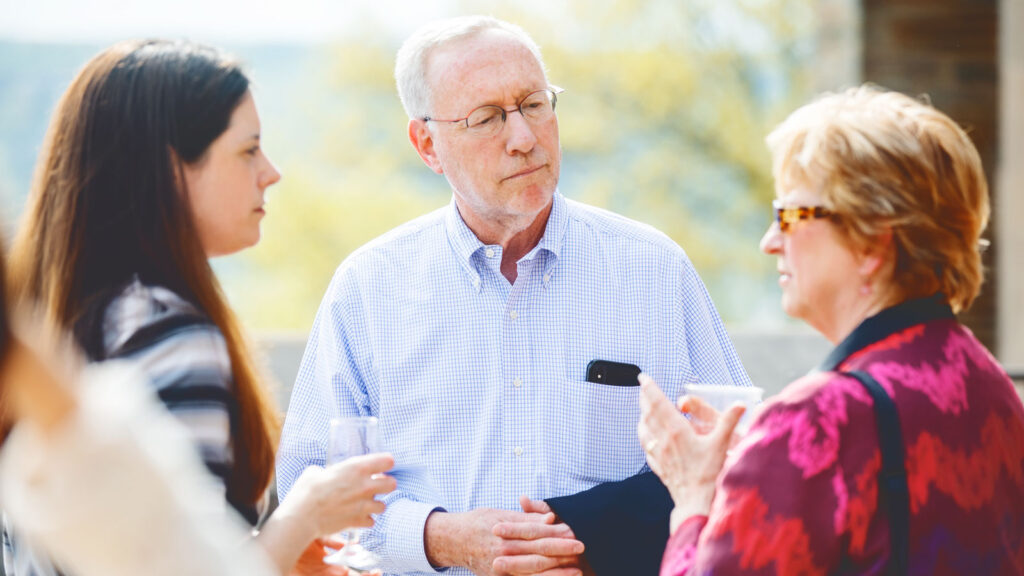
(519, 132)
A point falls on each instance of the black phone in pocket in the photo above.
(612, 373)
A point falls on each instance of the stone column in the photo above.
(1009, 213)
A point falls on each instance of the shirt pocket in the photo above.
(594, 432)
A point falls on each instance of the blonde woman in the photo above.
(881, 202)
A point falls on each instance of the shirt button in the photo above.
(513, 314)
(490, 252)
(517, 382)
(518, 451)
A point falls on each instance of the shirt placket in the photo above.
(517, 419)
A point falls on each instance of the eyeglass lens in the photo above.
(489, 119)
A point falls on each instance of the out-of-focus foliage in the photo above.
(666, 107)
(358, 178)
(32, 78)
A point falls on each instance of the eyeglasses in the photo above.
(786, 216)
(488, 120)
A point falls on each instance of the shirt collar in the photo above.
(554, 232)
(460, 237)
(886, 323)
(465, 243)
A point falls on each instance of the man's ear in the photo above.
(423, 141)
(876, 254)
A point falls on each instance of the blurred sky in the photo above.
(307, 21)
(230, 21)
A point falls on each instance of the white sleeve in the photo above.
(120, 490)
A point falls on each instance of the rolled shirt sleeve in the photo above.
(329, 385)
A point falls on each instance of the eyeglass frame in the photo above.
(786, 216)
(819, 212)
(553, 90)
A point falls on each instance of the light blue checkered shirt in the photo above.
(479, 385)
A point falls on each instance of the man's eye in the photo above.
(484, 120)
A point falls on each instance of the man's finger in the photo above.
(531, 531)
(561, 572)
(535, 506)
(535, 518)
(550, 547)
(543, 547)
(530, 564)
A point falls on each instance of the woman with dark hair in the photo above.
(903, 453)
(152, 164)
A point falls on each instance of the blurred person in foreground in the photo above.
(881, 203)
(151, 166)
(97, 473)
(468, 332)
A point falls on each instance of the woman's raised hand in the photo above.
(342, 495)
(687, 456)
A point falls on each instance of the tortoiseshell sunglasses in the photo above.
(786, 216)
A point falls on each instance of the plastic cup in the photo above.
(722, 397)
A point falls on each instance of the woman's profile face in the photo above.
(226, 186)
(818, 272)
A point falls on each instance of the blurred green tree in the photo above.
(664, 118)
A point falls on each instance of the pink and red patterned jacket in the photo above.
(799, 494)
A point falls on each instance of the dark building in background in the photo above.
(947, 49)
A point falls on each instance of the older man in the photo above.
(492, 337)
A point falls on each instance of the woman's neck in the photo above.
(849, 315)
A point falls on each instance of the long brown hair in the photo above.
(108, 204)
(5, 339)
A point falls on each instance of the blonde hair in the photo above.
(884, 161)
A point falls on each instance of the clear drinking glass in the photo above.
(722, 397)
(348, 437)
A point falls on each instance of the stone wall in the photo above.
(1010, 173)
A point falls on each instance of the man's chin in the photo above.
(535, 199)
(535, 207)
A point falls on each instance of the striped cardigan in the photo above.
(185, 359)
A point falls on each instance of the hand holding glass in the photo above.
(348, 437)
(722, 397)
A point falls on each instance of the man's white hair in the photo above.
(411, 62)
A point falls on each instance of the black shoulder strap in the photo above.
(892, 480)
